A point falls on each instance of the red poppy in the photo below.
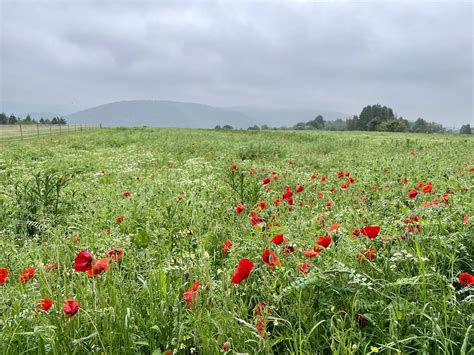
(255, 219)
(304, 268)
(277, 202)
(26, 275)
(278, 239)
(126, 194)
(351, 180)
(269, 258)
(70, 308)
(323, 178)
(313, 176)
(321, 195)
(328, 203)
(412, 193)
(311, 253)
(227, 246)
(265, 180)
(288, 195)
(239, 208)
(233, 167)
(3, 275)
(299, 189)
(345, 185)
(190, 296)
(44, 305)
(288, 249)
(83, 261)
(75, 239)
(370, 231)
(466, 279)
(333, 190)
(356, 232)
(405, 181)
(119, 219)
(420, 184)
(334, 227)
(427, 188)
(242, 270)
(98, 267)
(465, 219)
(115, 254)
(262, 205)
(324, 241)
(261, 309)
(368, 254)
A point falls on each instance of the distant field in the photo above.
(155, 209)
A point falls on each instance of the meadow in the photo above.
(161, 241)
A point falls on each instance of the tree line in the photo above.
(12, 119)
(372, 118)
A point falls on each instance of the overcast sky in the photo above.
(67, 55)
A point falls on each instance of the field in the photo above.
(141, 231)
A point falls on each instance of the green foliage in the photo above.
(179, 213)
(465, 129)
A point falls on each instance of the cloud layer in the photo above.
(341, 56)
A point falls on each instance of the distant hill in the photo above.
(160, 114)
(191, 115)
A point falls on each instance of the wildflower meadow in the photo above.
(181, 241)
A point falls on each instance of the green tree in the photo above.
(465, 129)
(420, 126)
(317, 123)
(374, 124)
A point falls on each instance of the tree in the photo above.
(465, 129)
(420, 126)
(228, 127)
(12, 119)
(254, 128)
(374, 124)
(3, 118)
(217, 127)
(393, 126)
(317, 123)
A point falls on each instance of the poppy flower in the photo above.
(313, 176)
(119, 219)
(328, 203)
(323, 178)
(324, 241)
(233, 167)
(412, 194)
(288, 249)
(44, 305)
(98, 267)
(368, 254)
(83, 261)
(115, 254)
(466, 279)
(299, 189)
(351, 180)
(333, 190)
(427, 188)
(70, 308)
(242, 270)
(465, 219)
(334, 227)
(26, 275)
(345, 185)
(311, 253)
(288, 196)
(261, 309)
(239, 208)
(278, 239)
(266, 180)
(126, 194)
(269, 258)
(3, 275)
(320, 195)
(304, 267)
(255, 219)
(405, 181)
(277, 202)
(370, 231)
(356, 232)
(227, 246)
(190, 296)
(420, 184)
(262, 205)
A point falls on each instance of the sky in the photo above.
(416, 57)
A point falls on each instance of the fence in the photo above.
(23, 131)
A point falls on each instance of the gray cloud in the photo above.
(415, 57)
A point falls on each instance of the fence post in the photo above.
(21, 132)
(37, 130)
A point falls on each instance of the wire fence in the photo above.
(24, 131)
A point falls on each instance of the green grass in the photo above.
(180, 213)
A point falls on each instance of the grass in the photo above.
(180, 213)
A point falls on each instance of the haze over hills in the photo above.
(190, 115)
